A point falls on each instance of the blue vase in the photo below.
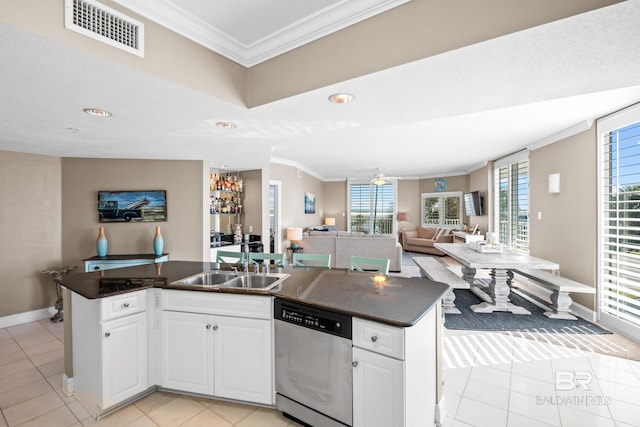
(158, 243)
(102, 243)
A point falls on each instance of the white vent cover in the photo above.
(95, 20)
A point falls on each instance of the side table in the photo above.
(291, 251)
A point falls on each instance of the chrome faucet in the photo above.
(246, 256)
(265, 267)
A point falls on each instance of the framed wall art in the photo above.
(132, 206)
(309, 203)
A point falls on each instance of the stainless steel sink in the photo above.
(219, 279)
(209, 278)
(257, 281)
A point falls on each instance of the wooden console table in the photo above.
(108, 262)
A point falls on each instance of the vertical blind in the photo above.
(512, 204)
(371, 207)
(619, 270)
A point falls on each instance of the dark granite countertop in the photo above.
(400, 301)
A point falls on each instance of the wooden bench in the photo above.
(437, 272)
(561, 286)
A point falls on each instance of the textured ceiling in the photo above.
(439, 116)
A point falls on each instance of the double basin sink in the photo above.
(232, 280)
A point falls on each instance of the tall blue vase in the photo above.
(102, 243)
(158, 243)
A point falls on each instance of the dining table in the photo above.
(501, 262)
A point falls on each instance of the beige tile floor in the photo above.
(31, 367)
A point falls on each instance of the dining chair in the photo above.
(311, 260)
(360, 263)
(230, 257)
(263, 256)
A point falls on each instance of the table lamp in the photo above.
(329, 221)
(294, 234)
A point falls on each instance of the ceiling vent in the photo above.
(95, 20)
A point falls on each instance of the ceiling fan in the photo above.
(380, 179)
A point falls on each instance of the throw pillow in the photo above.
(439, 233)
(426, 233)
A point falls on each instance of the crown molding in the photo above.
(315, 26)
(563, 134)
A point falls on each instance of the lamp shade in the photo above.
(294, 233)
(329, 221)
(403, 216)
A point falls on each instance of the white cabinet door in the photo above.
(243, 359)
(187, 352)
(378, 390)
(124, 358)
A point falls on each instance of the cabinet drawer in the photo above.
(252, 306)
(123, 305)
(383, 339)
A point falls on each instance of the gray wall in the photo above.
(30, 230)
(48, 216)
(567, 232)
(185, 232)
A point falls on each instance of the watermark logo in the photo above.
(573, 381)
(569, 381)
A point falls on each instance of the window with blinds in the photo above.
(442, 209)
(372, 207)
(512, 202)
(619, 220)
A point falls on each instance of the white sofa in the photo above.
(342, 244)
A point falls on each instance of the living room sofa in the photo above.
(342, 244)
(422, 239)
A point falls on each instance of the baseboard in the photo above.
(67, 385)
(26, 317)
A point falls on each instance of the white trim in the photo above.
(520, 156)
(620, 326)
(26, 317)
(67, 385)
(611, 122)
(278, 219)
(440, 195)
(325, 21)
(563, 134)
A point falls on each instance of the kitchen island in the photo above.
(134, 332)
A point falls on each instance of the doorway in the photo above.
(275, 235)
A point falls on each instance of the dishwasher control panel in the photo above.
(313, 318)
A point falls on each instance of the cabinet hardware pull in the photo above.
(107, 334)
(208, 326)
(125, 305)
(354, 363)
(374, 338)
(215, 328)
(97, 267)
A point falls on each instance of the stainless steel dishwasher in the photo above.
(313, 364)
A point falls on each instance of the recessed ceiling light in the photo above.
(341, 98)
(225, 125)
(97, 112)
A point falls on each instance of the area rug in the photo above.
(504, 321)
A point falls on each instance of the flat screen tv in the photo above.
(473, 203)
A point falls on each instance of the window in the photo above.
(511, 181)
(372, 207)
(442, 209)
(619, 219)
